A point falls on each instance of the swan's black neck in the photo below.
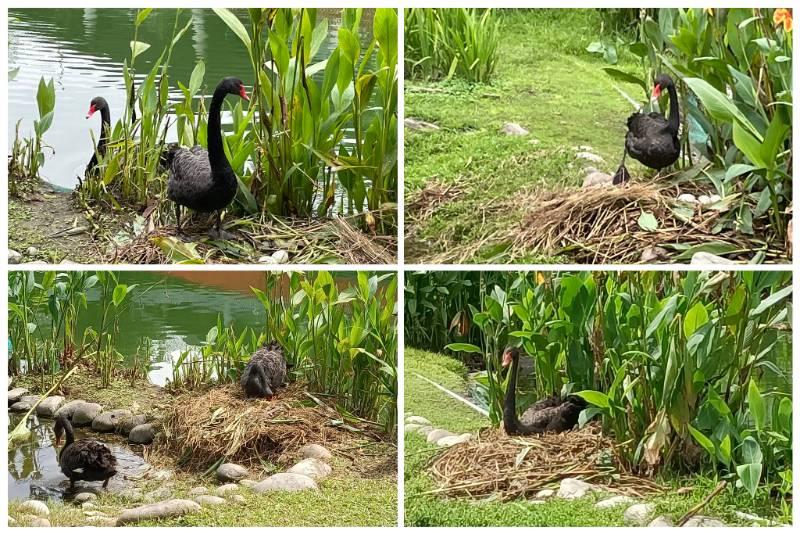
(105, 129)
(216, 152)
(674, 115)
(510, 420)
(70, 435)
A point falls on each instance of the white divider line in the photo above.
(456, 396)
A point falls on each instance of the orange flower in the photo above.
(783, 16)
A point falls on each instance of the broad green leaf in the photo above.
(719, 106)
(142, 15)
(196, 79)
(749, 474)
(236, 26)
(756, 403)
(464, 347)
(138, 47)
(696, 317)
(648, 222)
(595, 397)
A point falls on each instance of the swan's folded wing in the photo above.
(190, 172)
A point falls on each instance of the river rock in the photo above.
(311, 467)
(15, 394)
(24, 403)
(280, 256)
(126, 425)
(85, 413)
(314, 450)
(69, 408)
(437, 434)
(198, 490)
(84, 496)
(617, 500)
(14, 257)
(687, 198)
(638, 514)
(239, 499)
(545, 493)
(142, 434)
(49, 406)
(654, 254)
(417, 420)
(595, 178)
(159, 494)
(247, 482)
(410, 427)
(706, 258)
(40, 522)
(159, 510)
(449, 441)
(108, 421)
(209, 500)
(225, 489)
(512, 128)
(572, 488)
(425, 430)
(161, 474)
(704, 521)
(37, 508)
(419, 125)
(32, 251)
(231, 472)
(661, 521)
(285, 482)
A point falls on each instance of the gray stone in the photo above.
(437, 434)
(247, 482)
(160, 474)
(595, 178)
(15, 394)
(231, 472)
(314, 450)
(238, 499)
(512, 128)
(687, 198)
(159, 510)
(285, 482)
(638, 514)
(198, 490)
(40, 522)
(267, 260)
(654, 254)
(280, 256)
(225, 489)
(419, 125)
(159, 494)
(142, 434)
(706, 258)
(14, 257)
(37, 508)
(617, 500)
(311, 467)
(572, 488)
(85, 413)
(545, 493)
(425, 430)
(209, 500)
(68, 408)
(417, 420)
(661, 521)
(588, 156)
(32, 251)
(704, 521)
(449, 441)
(84, 496)
(49, 406)
(108, 421)
(88, 506)
(127, 424)
(24, 403)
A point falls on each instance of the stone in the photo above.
(160, 494)
(545, 493)
(238, 499)
(449, 441)
(68, 408)
(37, 508)
(417, 420)
(127, 424)
(661, 521)
(159, 510)
(412, 427)
(88, 506)
(24, 403)
(231, 472)
(617, 500)
(198, 490)
(85, 413)
(280, 256)
(40, 522)
(687, 198)
(595, 178)
(209, 500)
(314, 450)
(247, 482)
(225, 489)
(108, 421)
(419, 125)
(706, 258)
(638, 514)
(15, 394)
(704, 199)
(142, 434)
(512, 128)
(49, 406)
(84, 496)
(312, 468)
(437, 434)
(572, 488)
(654, 254)
(704, 521)
(588, 156)
(14, 257)
(32, 251)
(425, 430)
(161, 474)
(266, 260)
(285, 482)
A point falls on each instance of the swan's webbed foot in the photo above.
(218, 232)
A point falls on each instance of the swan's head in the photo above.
(58, 428)
(234, 86)
(661, 83)
(98, 103)
(509, 355)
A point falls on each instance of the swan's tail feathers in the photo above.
(622, 175)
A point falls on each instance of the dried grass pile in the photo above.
(507, 467)
(205, 426)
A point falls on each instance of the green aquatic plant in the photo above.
(27, 153)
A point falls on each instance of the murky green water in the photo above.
(83, 51)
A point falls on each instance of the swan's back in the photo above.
(650, 141)
(271, 358)
(87, 460)
(189, 173)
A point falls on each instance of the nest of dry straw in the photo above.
(205, 426)
(506, 467)
(600, 225)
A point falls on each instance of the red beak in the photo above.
(243, 93)
(657, 91)
(507, 358)
(92, 109)
(58, 441)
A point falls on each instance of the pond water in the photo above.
(33, 470)
(83, 51)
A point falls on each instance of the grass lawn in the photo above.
(423, 399)
(547, 83)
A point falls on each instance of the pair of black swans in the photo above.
(92, 461)
(199, 179)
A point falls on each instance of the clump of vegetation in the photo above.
(446, 43)
(27, 153)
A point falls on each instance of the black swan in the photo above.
(204, 180)
(84, 459)
(99, 103)
(652, 139)
(265, 372)
(552, 414)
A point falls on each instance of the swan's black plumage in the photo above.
(99, 103)
(652, 139)
(552, 414)
(265, 372)
(204, 180)
(84, 459)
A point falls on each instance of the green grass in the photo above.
(547, 83)
(421, 510)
